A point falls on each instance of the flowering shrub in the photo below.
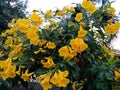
(61, 48)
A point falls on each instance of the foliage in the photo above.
(11, 9)
(61, 48)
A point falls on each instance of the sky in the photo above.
(54, 4)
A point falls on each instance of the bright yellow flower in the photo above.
(41, 77)
(117, 75)
(72, 53)
(105, 47)
(11, 71)
(49, 63)
(78, 45)
(112, 28)
(39, 50)
(78, 17)
(86, 4)
(49, 13)
(9, 41)
(33, 36)
(45, 83)
(18, 48)
(64, 51)
(89, 6)
(25, 76)
(65, 9)
(67, 52)
(110, 21)
(63, 82)
(6, 63)
(92, 9)
(111, 11)
(19, 70)
(59, 79)
(36, 18)
(50, 45)
(82, 32)
(59, 13)
(42, 42)
(23, 24)
(4, 75)
(72, 8)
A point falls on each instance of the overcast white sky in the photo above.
(53, 4)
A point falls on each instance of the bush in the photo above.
(63, 48)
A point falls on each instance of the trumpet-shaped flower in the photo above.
(49, 13)
(49, 63)
(82, 32)
(45, 81)
(89, 6)
(112, 28)
(67, 52)
(36, 18)
(78, 17)
(78, 45)
(50, 45)
(22, 24)
(117, 75)
(59, 79)
(25, 76)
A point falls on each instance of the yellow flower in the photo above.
(92, 9)
(1, 54)
(45, 83)
(42, 42)
(59, 79)
(41, 77)
(18, 48)
(64, 51)
(6, 63)
(86, 4)
(59, 13)
(112, 28)
(111, 11)
(33, 36)
(112, 53)
(63, 82)
(36, 18)
(72, 53)
(4, 75)
(78, 17)
(49, 63)
(82, 32)
(89, 6)
(9, 41)
(117, 75)
(19, 70)
(73, 86)
(105, 47)
(11, 71)
(72, 8)
(67, 52)
(22, 24)
(65, 9)
(50, 45)
(110, 21)
(49, 13)
(78, 45)
(25, 76)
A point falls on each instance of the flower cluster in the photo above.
(59, 47)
